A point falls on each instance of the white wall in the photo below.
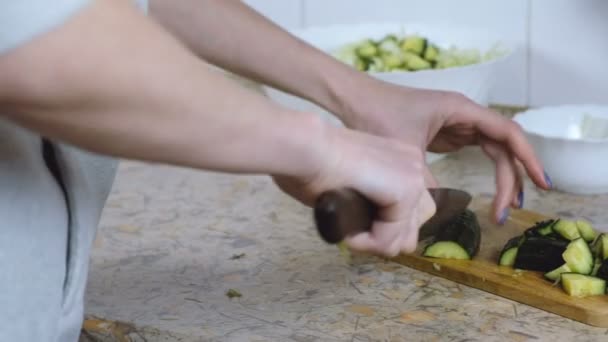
(564, 55)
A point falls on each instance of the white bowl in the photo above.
(474, 81)
(572, 143)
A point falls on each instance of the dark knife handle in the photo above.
(343, 212)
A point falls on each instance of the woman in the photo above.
(100, 79)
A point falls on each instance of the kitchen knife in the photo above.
(344, 212)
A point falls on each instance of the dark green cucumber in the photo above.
(567, 229)
(578, 256)
(541, 228)
(509, 251)
(539, 253)
(555, 274)
(586, 230)
(580, 285)
(459, 239)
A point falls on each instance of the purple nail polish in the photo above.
(548, 180)
(520, 199)
(504, 216)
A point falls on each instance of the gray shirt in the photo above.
(48, 221)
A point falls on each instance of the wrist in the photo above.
(346, 93)
(301, 145)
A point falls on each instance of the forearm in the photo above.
(233, 36)
(134, 92)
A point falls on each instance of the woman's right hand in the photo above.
(388, 172)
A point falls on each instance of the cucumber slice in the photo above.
(586, 230)
(541, 228)
(602, 271)
(415, 44)
(567, 229)
(507, 258)
(604, 246)
(446, 250)
(555, 274)
(597, 263)
(578, 256)
(509, 251)
(578, 285)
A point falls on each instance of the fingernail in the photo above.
(520, 199)
(548, 180)
(503, 216)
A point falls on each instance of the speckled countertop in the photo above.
(173, 241)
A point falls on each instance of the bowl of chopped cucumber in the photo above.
(423, 56)
(572, 143)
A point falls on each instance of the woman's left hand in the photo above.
(440, 121)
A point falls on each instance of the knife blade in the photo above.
(343, 212)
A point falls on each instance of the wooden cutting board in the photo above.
(526, 287)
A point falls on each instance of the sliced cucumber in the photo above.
(539, 253)
(415, 44)
(555, 274)
(462, 232)
(604, 245)
(586, 230)
(597, 263)
(579, 285)
(567, 229)
(507, 258)
(509, 251)
(542, 228)
(602, 271)
(446, 250)
(578, 257)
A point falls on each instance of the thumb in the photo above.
(423, 211)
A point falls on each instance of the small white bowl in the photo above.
(572, 143)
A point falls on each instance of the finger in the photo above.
(518, 198)
(370, 242)
(423, 211)
(505, 180)
(501, 129)
(429, 180)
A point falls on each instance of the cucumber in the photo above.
(446, 250)
(431, 53)
(541, 228)
(579, 285)
(509, 251)
(367, 49)
(586, 230)
(567, 229)
(604, 246)
(417, 63)
(597, 263)
(507, 258)
(602, 271)
(539, 253)
(459, 239)
(578, 257)
(415, 44)
(555, 274)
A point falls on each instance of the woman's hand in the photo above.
(441, 121)
(388, 172)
